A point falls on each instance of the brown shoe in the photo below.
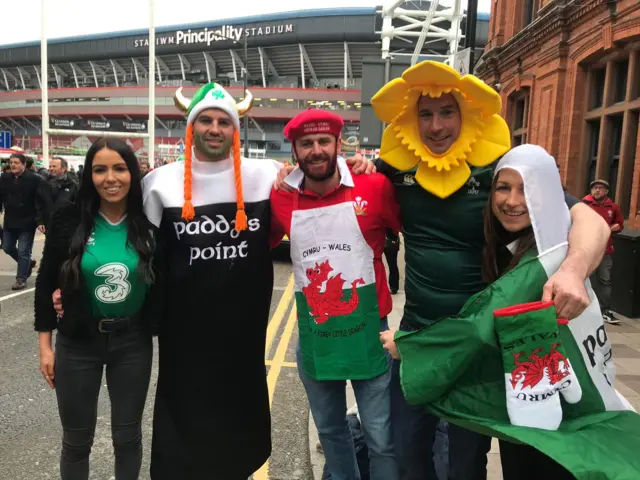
(19, 285)
(32, 266)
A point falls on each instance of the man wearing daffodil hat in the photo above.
(443, 138)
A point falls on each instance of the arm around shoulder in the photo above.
(391, 207)
(588, 240)
(153, 309)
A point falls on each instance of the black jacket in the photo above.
(18, 195)
(77, 319)
(52, 194)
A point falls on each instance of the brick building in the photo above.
(568, 72)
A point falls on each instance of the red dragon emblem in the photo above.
(329, 303)
(533, 371)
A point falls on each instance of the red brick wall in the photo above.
(552, 62)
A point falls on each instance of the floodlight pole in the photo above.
(151, 125)
(44, 89)
(44, 84)
(245, 74)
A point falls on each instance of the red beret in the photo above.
(313, 121)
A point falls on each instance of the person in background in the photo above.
(80, 173)
(18, 192)
(107, 258)
(59, 190)
(144, 167)
(601, 278)
(38, 168)
(72, 174)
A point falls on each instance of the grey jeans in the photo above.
(79, 366)
(601, 282)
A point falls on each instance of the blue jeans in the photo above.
(22, 253)
(415, 431)
(328, 402)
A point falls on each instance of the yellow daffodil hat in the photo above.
(484, 135)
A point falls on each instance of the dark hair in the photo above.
(139, 234)
(63, 162)
(21, 157)
(496, 236)
(29, 163)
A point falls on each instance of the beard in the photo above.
(328, 173)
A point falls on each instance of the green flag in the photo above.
(455, 368)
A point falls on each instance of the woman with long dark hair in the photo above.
(105, 256)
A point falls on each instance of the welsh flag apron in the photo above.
(335, 288)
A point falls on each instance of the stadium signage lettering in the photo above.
(207, 37)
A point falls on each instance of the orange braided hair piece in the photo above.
(241, 215)
(188, 211)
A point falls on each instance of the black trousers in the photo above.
(391, 254)
(524, 461)
(79, 366)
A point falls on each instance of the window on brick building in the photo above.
(597, 88)
(612, 126)
(622, 70)
(594, 143)
(519, 118)
(529, 8)
(614, 153)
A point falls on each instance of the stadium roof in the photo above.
(317, 12)
(327, 41)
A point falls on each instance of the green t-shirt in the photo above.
(443, 244)
(109, 268)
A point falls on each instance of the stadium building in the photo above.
(293, 60)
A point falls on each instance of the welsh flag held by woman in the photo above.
(520, 374)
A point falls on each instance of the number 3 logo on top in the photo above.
(116, 287)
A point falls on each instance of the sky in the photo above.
(67, 18)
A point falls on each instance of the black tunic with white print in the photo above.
(211, 413)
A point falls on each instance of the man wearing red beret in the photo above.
(336, 223)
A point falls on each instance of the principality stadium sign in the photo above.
(207, 37)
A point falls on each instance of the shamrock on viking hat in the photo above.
(484, 135)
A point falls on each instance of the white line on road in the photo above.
(17, 294)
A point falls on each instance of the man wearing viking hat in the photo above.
(213, 211)
(443, 138)
(212, 407)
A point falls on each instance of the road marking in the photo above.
(274, 373)
(268, 363)
(17, 294)
(278, 315)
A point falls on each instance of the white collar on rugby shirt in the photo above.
(295, 178)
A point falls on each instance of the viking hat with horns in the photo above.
(213, 95)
